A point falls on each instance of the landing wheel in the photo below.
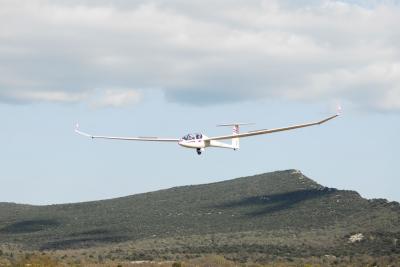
(198, 151)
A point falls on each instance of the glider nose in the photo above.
(182, 143)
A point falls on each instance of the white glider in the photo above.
(199, 141)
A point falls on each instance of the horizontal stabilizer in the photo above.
(235, 123)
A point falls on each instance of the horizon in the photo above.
(186, 185)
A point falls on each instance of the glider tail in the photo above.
(235, 141)
(236, 127)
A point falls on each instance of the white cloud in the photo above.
(200, 52)
(98, 98)
(48, 96)
(26, 96)
(116, 98)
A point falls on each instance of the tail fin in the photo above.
(235, 131)
(235, 141)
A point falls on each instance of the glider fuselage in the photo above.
(200, 141)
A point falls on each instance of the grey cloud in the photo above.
(199, 52)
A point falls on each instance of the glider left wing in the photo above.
(268, 131)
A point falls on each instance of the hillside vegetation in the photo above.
(272, 216)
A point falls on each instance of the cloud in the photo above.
(116, 98)
(45, 96)
(98, 98)
(202, 52)
(28, 96)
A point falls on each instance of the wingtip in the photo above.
(82, 133)
(339, 110)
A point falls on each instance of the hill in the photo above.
(258, 218)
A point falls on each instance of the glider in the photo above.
(200, 141)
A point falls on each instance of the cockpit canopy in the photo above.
(192, 136)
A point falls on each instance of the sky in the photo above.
(167, 68)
